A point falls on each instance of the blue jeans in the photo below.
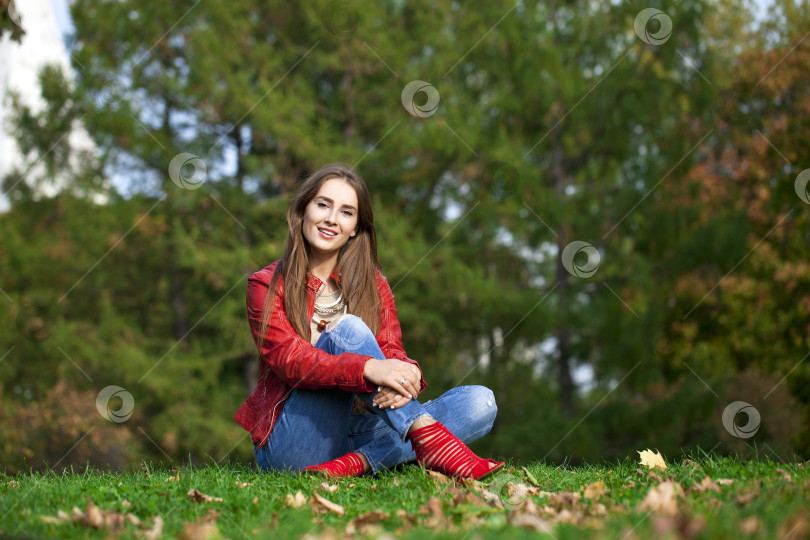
(318, 425)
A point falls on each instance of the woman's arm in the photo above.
(293, 359)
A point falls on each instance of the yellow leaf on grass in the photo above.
(653, 460)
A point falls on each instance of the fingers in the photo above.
(390, 399)
(389, 396)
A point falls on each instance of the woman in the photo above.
(324, 321)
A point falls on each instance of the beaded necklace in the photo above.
(327, 310)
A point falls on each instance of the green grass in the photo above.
(765, 500)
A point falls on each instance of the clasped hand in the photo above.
(397, 382)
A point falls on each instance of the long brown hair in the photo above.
(357, 261)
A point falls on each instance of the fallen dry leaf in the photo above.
(747, 498)
(327, 487)
(785, 475)
(594, 490)
(434, 509)
(653, 460)
(750, 525)
(706, 485)
(242, 484)
(797, 526)
(651, 474)
(439, 477)
(196, 496)
(565, 499)
(684, 525)
(326, 534)
(694, 464)
(156, 530)
(93, 516)
(532, 522)
(199, 531)
(724, 481)
(662, 498)
(295, 501)
(463, 496)
(319, 505)
(210, 516)
(517, 493)
(367, 523)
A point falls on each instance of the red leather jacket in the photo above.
(289, 361)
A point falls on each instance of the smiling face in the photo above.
(330, 218)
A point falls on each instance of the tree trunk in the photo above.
(176, 285)
(564, 380)
(250, 364)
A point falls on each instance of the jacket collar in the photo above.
(315, 283)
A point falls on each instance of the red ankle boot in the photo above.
(348, 465)
(439, 450)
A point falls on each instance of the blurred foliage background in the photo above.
(675, 157)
